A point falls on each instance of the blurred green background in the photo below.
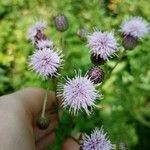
(125, 112)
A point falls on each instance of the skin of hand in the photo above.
(18, 114)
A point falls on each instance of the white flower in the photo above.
(46, 62)
(78, 94)
(135, 26)
(102, 44)
(96, 141)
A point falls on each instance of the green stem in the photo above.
(54, 84)
(62, 41)
(44, 105)
(75, 140)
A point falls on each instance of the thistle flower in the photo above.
(44, 44)
(102, 44)
(95, 74)
(61, 23)
(132, 30)
(96, 141)
(78, 94)
(136, 27)
(35, 32)
(46, 62)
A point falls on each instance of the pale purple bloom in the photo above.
(33, 30)
(135, 26)
(46, 62)
(78, 94)
(44, 44)
(102, 44)
(96, 141)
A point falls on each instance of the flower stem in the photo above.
(76, 140)
(44, 105)
(54, 84)
(62, 41)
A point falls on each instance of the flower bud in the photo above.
(39, 36)
(61, 23)
(96, 75)
(43, 123)
(82, 33)
(129, 42)
(97, 60)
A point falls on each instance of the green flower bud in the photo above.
(43, 123)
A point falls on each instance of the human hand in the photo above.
(18, 114)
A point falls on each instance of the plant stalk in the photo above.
(44, 105)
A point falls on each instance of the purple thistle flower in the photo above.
(44, 44)
(136, 27)
(36, 30)
(102, 44)
(78, 94)
(96, 141)
(46, 62)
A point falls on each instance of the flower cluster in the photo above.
(96, 141)
(45, 61)
(80, 93)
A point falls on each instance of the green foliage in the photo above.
(124, 111)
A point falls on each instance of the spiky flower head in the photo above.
(46, 62)
(136, 27)
(35, 32)
(96, 141)
(102, 44)
(44, 44)
(78, 94)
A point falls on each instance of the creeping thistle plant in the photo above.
(80, 93)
